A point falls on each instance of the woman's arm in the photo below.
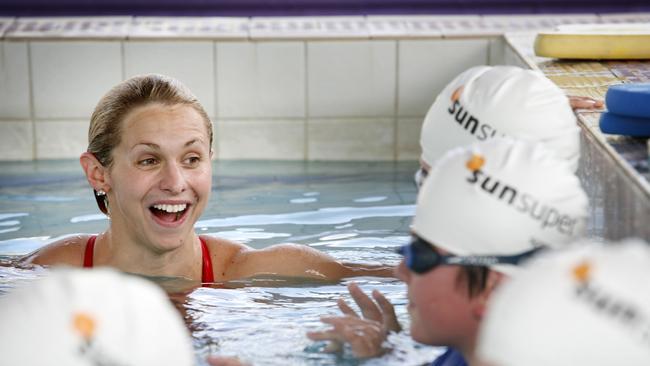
(294, 260)
(68, 251)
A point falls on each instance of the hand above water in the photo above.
(366, 334)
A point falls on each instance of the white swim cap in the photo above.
(485, 102)
(587, 305)
(500, 197)
(78, 317)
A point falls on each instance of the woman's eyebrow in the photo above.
(157, 147)
(193, 141)
(147, 144)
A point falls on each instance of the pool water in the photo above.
(357, 212)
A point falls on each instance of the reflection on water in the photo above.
(356, 212)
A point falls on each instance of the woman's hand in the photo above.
(584, 103)
(366, 334)
(380, 310)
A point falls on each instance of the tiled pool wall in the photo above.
(333, 88)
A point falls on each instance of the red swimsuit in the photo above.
(206, 277)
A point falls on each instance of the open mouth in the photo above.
(169, 214)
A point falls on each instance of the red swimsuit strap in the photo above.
(206, 272)
(207, 275)
(88, 253)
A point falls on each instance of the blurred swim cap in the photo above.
(587, 305)
(490, 101)
(500, 197)
(78, 317)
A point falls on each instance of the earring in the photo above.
(100, 192)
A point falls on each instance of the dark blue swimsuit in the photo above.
(450, 358)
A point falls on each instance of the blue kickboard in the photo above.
(624, 125)
(631, 99)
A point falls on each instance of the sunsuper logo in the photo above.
(548, 217)
(85, 325)
(608, 304)
(471, 124)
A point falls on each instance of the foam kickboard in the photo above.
(629, 99)
(595, 41)
(623, 125)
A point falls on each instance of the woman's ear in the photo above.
(494, 279)
(95, 172)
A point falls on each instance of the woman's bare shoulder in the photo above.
(224, 247)
(69, 251)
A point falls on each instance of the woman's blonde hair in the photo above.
(105, 124)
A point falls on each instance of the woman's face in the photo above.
(160, 179)
(439, 307)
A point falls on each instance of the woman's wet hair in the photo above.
(474, 278)
(105, 129)
(104, 133)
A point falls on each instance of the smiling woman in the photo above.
(148, 162)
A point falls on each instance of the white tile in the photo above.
(71, 27)
(496, 55)
(333, 27)
(351, 139)
(61, 139)
(511, 57)
(16, 140)
(408, 138)
(423, 73)
(450, 25)
(265, 79)
(191, 62)
(189, 27)
(499, 24)
(14, 81)
(69, 78)
(435, 24)
(351, 79)
(261, 139)
(625, 18)
(5, 23)
(516, 23)
(387, 27)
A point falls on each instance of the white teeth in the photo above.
(171, 208)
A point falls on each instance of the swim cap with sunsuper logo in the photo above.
(585, 305)
(77, 317)
(500, 197)
(492, 101)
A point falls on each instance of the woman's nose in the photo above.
(173, 179)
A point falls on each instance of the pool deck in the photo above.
(614, 168)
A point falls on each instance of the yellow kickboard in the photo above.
(596, 41)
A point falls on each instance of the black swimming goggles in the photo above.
(421, 257)
(419, 177)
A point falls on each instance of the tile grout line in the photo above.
(215, 135)
(305, 151)
(396, 105)
(122, 60)
(32, 112)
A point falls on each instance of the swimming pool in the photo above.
(353, 211)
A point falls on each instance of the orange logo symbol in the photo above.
(84, 324)
(582, 271)
(475, 162)
(456, 94)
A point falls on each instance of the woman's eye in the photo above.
(193, 160)
(147, 162)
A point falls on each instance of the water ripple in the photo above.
(323, 216)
